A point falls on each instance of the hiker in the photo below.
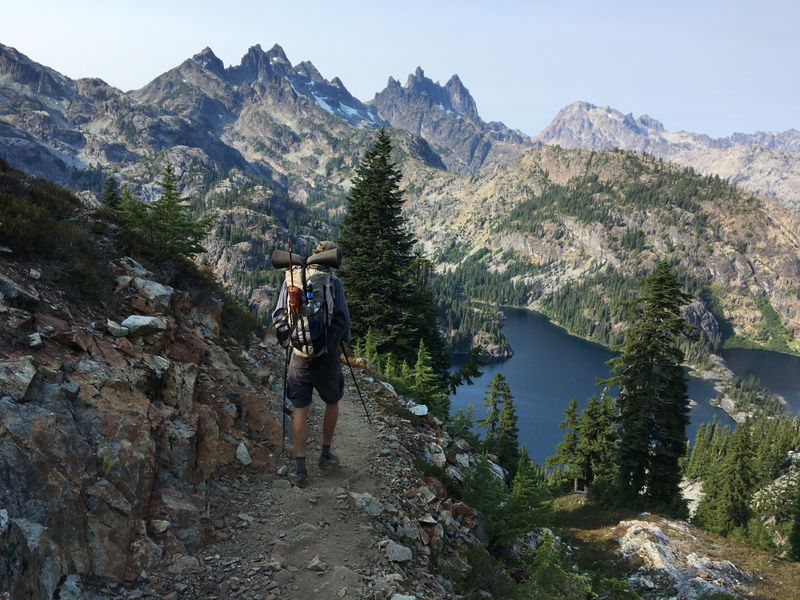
(314, 342)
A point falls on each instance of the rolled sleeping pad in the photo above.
(280, 259)
(329, 258)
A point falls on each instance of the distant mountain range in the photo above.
(763, 161)
(271, 148)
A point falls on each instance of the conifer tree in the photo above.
(172, 233)
(162, 229)
(567, 456)
(386, 281)
(530, 499)
(726, 503)
(110, 198)
(595, 448)
(427, 386)
(508, 435)
(652, 402)
(496, 394)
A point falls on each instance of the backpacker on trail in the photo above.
(309, 300)
(310, 319)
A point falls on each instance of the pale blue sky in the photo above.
(707, 66)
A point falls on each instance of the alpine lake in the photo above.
(550, 366)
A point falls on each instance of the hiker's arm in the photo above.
(339, 329)
(279, 319)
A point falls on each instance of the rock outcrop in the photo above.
(109, 435)
(670, 564)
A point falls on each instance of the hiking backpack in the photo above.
(309, 311)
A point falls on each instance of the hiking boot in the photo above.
(299, 479)
(328, 462)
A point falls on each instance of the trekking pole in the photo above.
(283, 404)
(347, 360)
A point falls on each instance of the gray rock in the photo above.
(183, 564)
(35, 340)
(462, 460)
(397, 552)
(315, 564)
(243, 455)
(16, 375)
(134, 267)
(71, 589)
(368, 502)
(158, 296)
(402, 597)
(419, 409)
(116, 329)
(11, 290)
(35, 274)
(140, 325)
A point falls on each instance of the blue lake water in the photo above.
(549, 367)
(778, 372)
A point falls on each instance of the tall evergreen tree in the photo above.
(652, 401)
(493, 400)
(386, 282)
(530, 503)
(172, 233)
(595, 448)
(110, 198)
(567, 456)
(726, 503)
(508, 436)
(427, 385)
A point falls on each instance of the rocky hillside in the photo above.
(570, 227)
(447, 117)
(759, 162)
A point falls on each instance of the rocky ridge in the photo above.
(760, 162)
(447, 117)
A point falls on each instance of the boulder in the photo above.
(116, 329)
(419, 409)
(397, 552)
(157, 295)
(368, 502)
(11, 290)
(243, 455)
(16, 375)
(140, 325)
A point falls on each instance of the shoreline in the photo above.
(719, 372)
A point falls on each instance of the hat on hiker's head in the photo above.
(324, 246)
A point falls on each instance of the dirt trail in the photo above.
(272, 540)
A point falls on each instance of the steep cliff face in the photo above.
(114, 418)
(447, 117)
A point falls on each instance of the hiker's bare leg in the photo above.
(329, 423)
(300, 430)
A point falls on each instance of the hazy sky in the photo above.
(707, 66)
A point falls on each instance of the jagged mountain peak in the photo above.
(308, 69)
(207, 59)
(277, 54)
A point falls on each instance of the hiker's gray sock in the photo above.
(301, 464)
(326, 451)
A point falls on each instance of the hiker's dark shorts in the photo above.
(323, 374)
